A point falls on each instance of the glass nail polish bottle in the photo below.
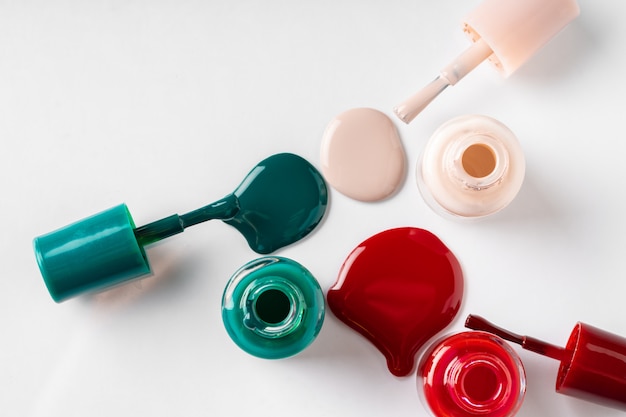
(273, 307)
(471, 374)
(472, 166)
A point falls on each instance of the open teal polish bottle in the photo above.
(281, 200)
(273, 307)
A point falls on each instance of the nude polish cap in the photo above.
(514, 30)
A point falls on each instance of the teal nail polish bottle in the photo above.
(273, 307)
(281, 200)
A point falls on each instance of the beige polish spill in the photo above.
(362, 155)
(507, 32)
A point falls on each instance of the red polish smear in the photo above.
(398, 289)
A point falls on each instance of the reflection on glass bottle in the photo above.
(273, 307)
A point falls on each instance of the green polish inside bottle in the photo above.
(281, 200)
(273, 307)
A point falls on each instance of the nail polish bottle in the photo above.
(471, 167)
(471, 374)
(593, 362)
(273, 307)
(506, 32)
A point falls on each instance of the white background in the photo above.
(166, 105)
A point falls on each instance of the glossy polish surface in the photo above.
(472, 374)
(398, 289)
(281, 200)
(362, 155)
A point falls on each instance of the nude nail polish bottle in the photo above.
(471, 167)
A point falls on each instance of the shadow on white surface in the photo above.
(172, 274)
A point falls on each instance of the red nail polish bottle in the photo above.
(593, 362)
(471, 374)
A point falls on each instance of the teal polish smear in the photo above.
(281, 200)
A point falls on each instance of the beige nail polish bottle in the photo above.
(471, 167)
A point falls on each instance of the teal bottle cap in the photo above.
(281, 200)
(98, 252)
(273, 307)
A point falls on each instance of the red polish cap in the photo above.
(593, 362)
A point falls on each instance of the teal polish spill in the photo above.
(281, 200)
(273, 307)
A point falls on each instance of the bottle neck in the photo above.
(479, 383)
(272, 307)
(477, 162)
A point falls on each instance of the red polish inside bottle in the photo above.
(472, 374)
(593, 362)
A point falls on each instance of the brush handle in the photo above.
(529, 343)
(449, 75)
(223, 209)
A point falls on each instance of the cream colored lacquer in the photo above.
(362, 155)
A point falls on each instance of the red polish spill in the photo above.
(398, 289)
